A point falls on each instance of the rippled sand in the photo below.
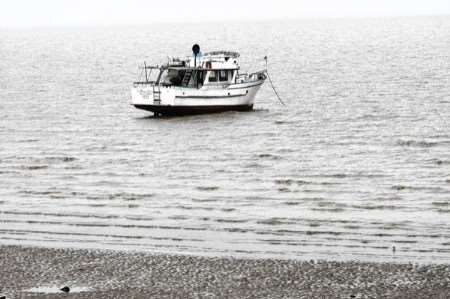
(40, 273)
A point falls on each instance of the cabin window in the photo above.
(230, 74)
(213, 76)
(176, 77)
(200, 78)
(223, 75)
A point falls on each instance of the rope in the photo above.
(271, 83)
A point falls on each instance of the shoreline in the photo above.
(31, 271)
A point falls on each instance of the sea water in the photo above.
(356, 164)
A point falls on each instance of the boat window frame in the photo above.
(161, 71)
(223, 78)
(214, 76)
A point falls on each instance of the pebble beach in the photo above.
(31, 272)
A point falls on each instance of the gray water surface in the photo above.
(358, 161)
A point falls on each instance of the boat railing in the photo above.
(150, 67)
(232, 54)
(259, 75)
(157, 85)
(143, 83)
(243, 77)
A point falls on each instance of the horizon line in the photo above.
(215, 21)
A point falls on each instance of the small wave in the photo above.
(96, 205)
(333, 233)
(284, 181)
(367, 116)
(269, 156)
(388, 198)
(440, 162)
(97, 148)
(138, 218)
(283, 122)
(353, 227)
(40, 193)
(193, 208)
(253, 165)
(302, 182)
(326, 183)
(415, 143)
(207, 188)
(28, 140)
(336, 175)
(130, 196)
(331, 204)
(204, 199)
(416, 188)
(400, 187)
(9, 172)
(107, 183)
(314, 224)
(63, 215)
(441, 203)
(73, 167)
(60, 159)
(289, 182)
(34, 167)
(178, 217)
(356, 175)
(333, 210)
(405, 241)
(314, 199)
(390, 226)
(375, 207)
(225, 220)
(260, 110)
(45, 160)
(235, 230)
(119, 196)
(275, 221)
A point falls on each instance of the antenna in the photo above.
(145, 68)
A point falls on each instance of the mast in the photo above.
(145, 68)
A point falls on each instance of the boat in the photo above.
(201, 83)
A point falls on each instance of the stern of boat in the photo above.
(151, 95)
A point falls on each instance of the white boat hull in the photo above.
(182, 101)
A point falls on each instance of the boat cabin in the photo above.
(213, 69)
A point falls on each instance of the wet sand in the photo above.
(112, 274)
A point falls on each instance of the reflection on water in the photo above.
(357, 163)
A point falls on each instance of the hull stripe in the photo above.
(249, 86)
(211, 97)
(190, 110)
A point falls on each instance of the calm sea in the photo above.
(356, 163)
